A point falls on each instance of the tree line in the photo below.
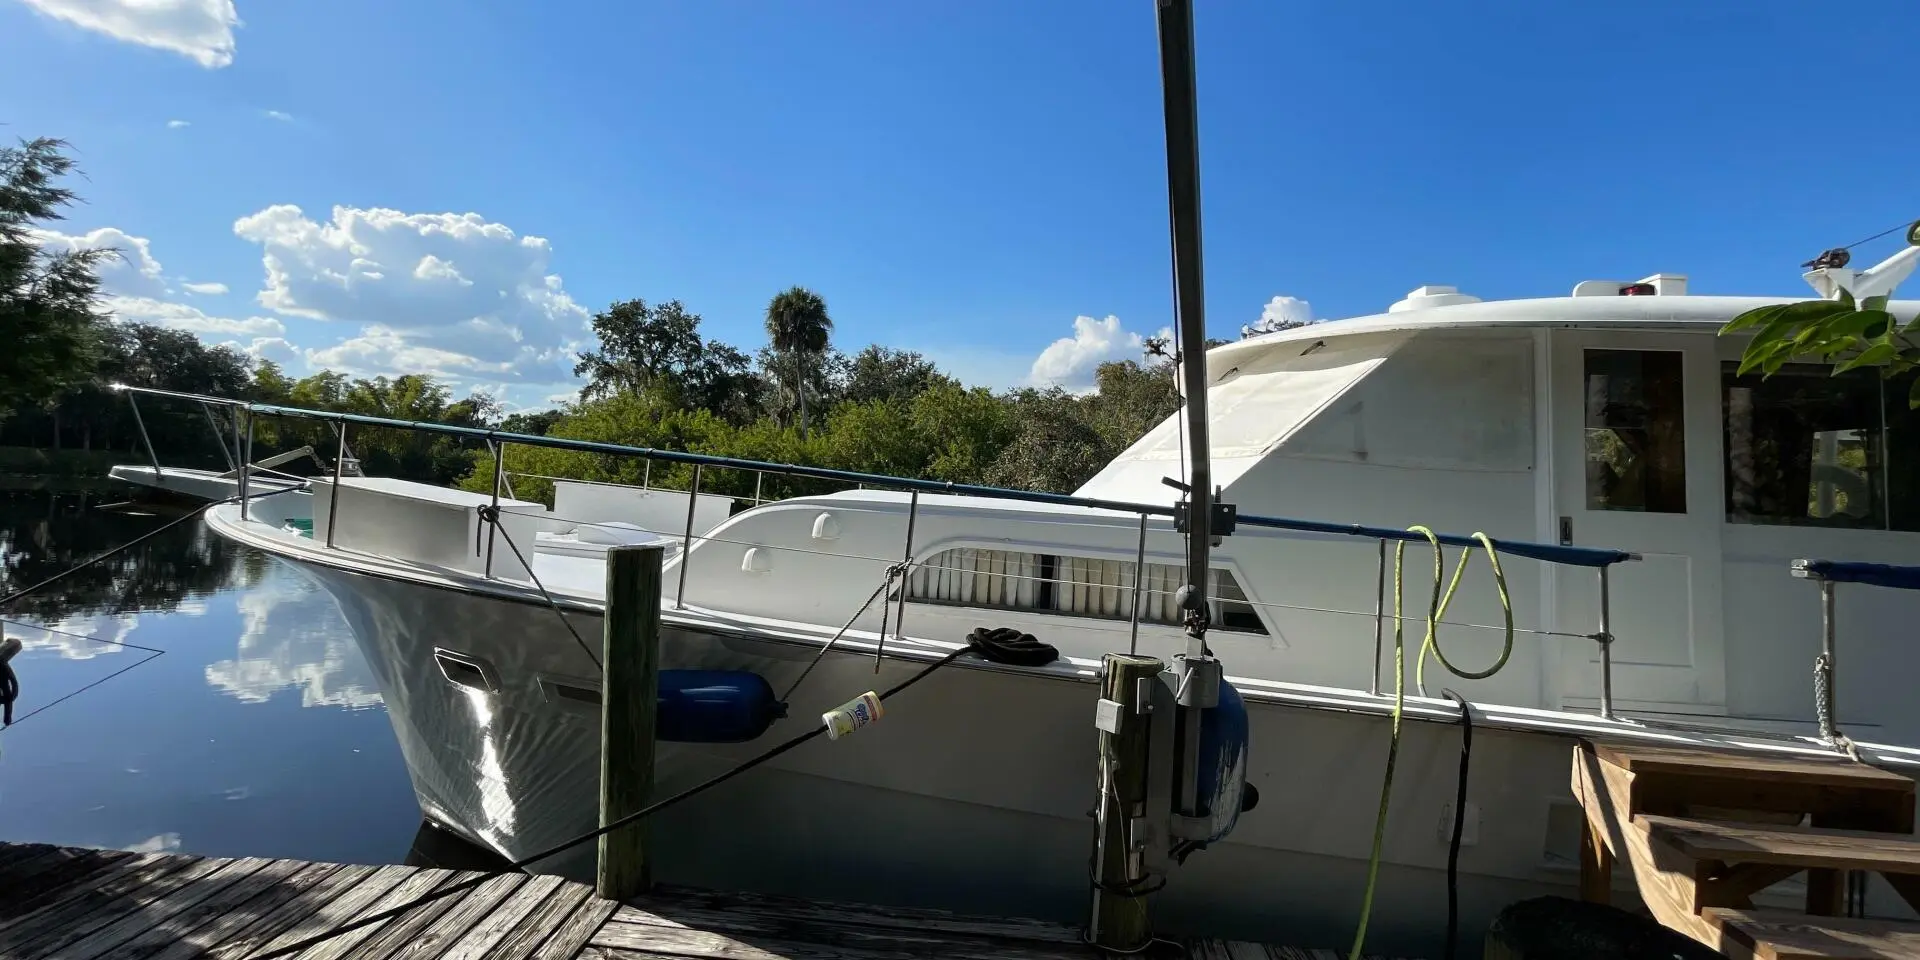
(652, 379)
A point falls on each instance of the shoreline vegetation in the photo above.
(651, 379)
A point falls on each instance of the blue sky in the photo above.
(355, 184)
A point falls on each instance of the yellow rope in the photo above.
(1435, 609)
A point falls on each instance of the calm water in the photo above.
(245, 722)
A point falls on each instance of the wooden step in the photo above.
(1790, 846)
(1895, 856)
(1780, 935)
(1836, 791)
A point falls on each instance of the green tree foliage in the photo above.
(89, 415)
(659, 348)
(47, 300)
(385, 451)
(798, 331)
(883, 373)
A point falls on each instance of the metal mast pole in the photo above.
(1196, 674)
(1183, 208)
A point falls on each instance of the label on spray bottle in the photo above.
(852, 715)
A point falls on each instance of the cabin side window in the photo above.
(1635, 431)
(1072, 586)
(1807, 448)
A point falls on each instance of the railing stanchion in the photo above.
(146, 441)
(225, 454)
(246, 467)
(686, 539)
(1605, 637)
(333, 493)
(1139, 576)
(758, 476)
(1826, 701)
(1379, 617)
(646, 473)
(906, 567)
(499, 477)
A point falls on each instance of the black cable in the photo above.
(634, 817)
(1459, 824)
(1898, 226)
(491, 514)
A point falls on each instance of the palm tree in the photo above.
(798, 325)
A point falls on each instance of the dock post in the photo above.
(1119, 920)
(629, 699)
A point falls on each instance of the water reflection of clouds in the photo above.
(293, 636)
(77, 637)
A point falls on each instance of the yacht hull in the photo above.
(973, 793)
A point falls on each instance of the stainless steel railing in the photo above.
(498, 441)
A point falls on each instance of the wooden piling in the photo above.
(1119, 902)
(629, 701)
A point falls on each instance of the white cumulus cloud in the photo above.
(1071, 362)
(1280, 313)
(454, 295)
(134, 272)
(178, 124)
(205, 289)
(181, 316)
(280, 115)
(199, 29)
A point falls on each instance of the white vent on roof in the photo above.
(1658, 285)
(1432, 295)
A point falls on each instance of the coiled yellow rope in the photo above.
(1436, 609)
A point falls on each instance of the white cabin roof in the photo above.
(1672, 313)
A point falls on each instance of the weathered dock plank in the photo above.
(72, 904)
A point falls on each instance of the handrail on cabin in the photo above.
(1827, 573)
(1844, 571)
(1590, 557)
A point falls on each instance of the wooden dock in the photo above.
(62, 903)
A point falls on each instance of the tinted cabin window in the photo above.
(1635, 419)
(1903, 451)
(1804, 447)
(1075, 586)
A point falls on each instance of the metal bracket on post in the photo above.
(1224, 517)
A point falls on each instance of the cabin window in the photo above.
(1903, 451)
(1072, 586)
(1635, 420)
(1805, 447)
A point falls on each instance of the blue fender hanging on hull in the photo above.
(1223, 762)
(715, 706)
